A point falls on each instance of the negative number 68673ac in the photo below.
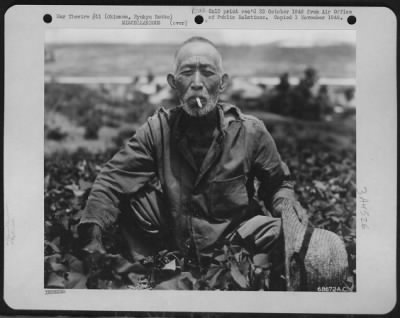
(332, 289)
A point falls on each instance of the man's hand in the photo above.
(94, 236)
(282, 204)
(300, 211)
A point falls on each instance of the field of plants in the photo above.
(84, 128)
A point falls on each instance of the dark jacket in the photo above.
(202, 205)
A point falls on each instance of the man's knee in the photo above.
(143, 222)
(262, 232)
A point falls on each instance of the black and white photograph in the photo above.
(214, 159)
(200, 160)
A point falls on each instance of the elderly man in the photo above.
(214, 165)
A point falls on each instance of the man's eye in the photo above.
(187, 72)
(208, 73)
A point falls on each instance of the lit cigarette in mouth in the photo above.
(199, 102)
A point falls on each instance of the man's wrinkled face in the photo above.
(198, 75)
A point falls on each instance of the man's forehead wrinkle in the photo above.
(200, 61)
(199, 50)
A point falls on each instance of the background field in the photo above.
(336, 60)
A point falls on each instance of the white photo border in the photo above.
(23, 172)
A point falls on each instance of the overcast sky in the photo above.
(230, 37)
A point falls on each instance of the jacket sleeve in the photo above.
(131, 168)
(274, 177)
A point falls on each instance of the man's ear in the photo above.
(171, 80)
(224, 82)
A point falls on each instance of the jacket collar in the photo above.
(227, 113)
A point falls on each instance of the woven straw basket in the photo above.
(313, 257)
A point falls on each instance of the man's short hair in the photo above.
(200, 39)
(195, 39)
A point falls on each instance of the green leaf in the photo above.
(171, 266)
(57, 267)
(75, 190)
(320, 185)
(261, 260)
(52, 258)
(73, 263)
(184, 281)
(139, 281)
(84, 185)
(75, 281)
(122, 265)
(46, 182)
(213, 275)
(55, 281)
(53, 246)
(238, 277)
(220, 258)
(56, 241)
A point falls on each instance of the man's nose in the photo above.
(197, 83)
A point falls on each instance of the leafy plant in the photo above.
(324, 166)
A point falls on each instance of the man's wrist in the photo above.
(95, 231)
(89, 231)
(283, 193)
(284, 204)
(92, 238)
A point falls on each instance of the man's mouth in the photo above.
(198, 101)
